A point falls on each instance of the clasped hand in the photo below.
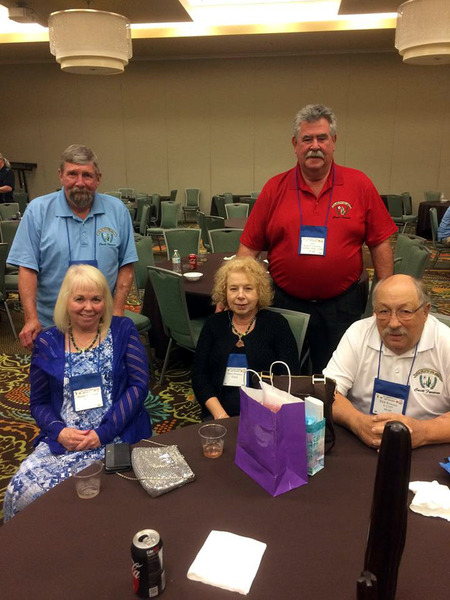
(75, 440)
(370, 428)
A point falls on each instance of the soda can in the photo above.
(149, 578)
(192, 261)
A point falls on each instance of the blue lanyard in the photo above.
(70, 358)
(410, 371)
(298, 196)
(95, 240)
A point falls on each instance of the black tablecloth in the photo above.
(62, 547)
(423, 227)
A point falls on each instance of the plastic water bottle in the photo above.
(176, 262)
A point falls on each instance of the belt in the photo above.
(347, 291)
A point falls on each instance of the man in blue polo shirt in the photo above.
(74, 225)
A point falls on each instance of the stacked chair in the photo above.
(8, 210)
(192, 202)
(186, 241)
(236, 210)
(3, 291)
(170, 215)
(206, 224)
(225, 240)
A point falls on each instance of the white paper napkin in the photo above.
(227, 561)
(431, 499)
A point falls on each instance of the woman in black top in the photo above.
(243, 336)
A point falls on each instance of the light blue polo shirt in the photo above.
(49, 228)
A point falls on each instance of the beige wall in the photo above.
(225, 125)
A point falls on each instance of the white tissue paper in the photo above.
(431, 499)
(227, 561)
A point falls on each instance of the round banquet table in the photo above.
(64, 547)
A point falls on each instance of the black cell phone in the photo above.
(117, 457)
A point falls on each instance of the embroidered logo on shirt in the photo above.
(341, 208)
(428, 381)
(107, 234)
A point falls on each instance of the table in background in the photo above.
(423, 227)
(236, 223)
(64, 547)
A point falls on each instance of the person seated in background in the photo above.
(6, 181)
(443, 233)
(394, 366)
(243, 336)
(88, 350)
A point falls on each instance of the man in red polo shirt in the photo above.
(313, 220)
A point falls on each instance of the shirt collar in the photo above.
(64, 210)
(328, 183)
(426, 341)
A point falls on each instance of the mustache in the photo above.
(315, 154)
(394, 330)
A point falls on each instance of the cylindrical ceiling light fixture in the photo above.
(90, 42)
(423, 32)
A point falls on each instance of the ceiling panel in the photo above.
(356, 7)
(138, 11)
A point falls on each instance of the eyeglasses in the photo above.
(402, 314)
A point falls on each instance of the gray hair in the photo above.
(5, 160)
(312, 113)
(79, 155)
(419, 285)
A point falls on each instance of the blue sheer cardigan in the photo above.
(127, 416)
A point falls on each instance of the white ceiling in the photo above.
(188, 40)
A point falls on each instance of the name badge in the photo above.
(389, 397)
(87, 398)
(387, 404)
(87, 391)
(311, 245)
(312, 240)
(236, 372)
(235, 376)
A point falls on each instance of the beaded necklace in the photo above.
(240, 343)
(72, 339)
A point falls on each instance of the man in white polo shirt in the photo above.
(394, 366)
(74, 225)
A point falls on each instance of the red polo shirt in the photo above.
(357, 215)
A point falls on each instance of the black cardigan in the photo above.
(270, 340)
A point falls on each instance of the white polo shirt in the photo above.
(354, 366)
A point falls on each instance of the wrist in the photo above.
(221, 415)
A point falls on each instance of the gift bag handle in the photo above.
(281, 362)
(257, 374)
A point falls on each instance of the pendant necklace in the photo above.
(72, 339)
(240, 342)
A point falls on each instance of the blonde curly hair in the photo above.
(254, 270)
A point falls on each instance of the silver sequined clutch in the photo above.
(160, 470)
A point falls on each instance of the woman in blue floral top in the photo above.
(89, 381)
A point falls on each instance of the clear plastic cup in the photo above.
(87, 482)
(213, 439)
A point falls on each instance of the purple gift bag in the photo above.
(271, 446)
